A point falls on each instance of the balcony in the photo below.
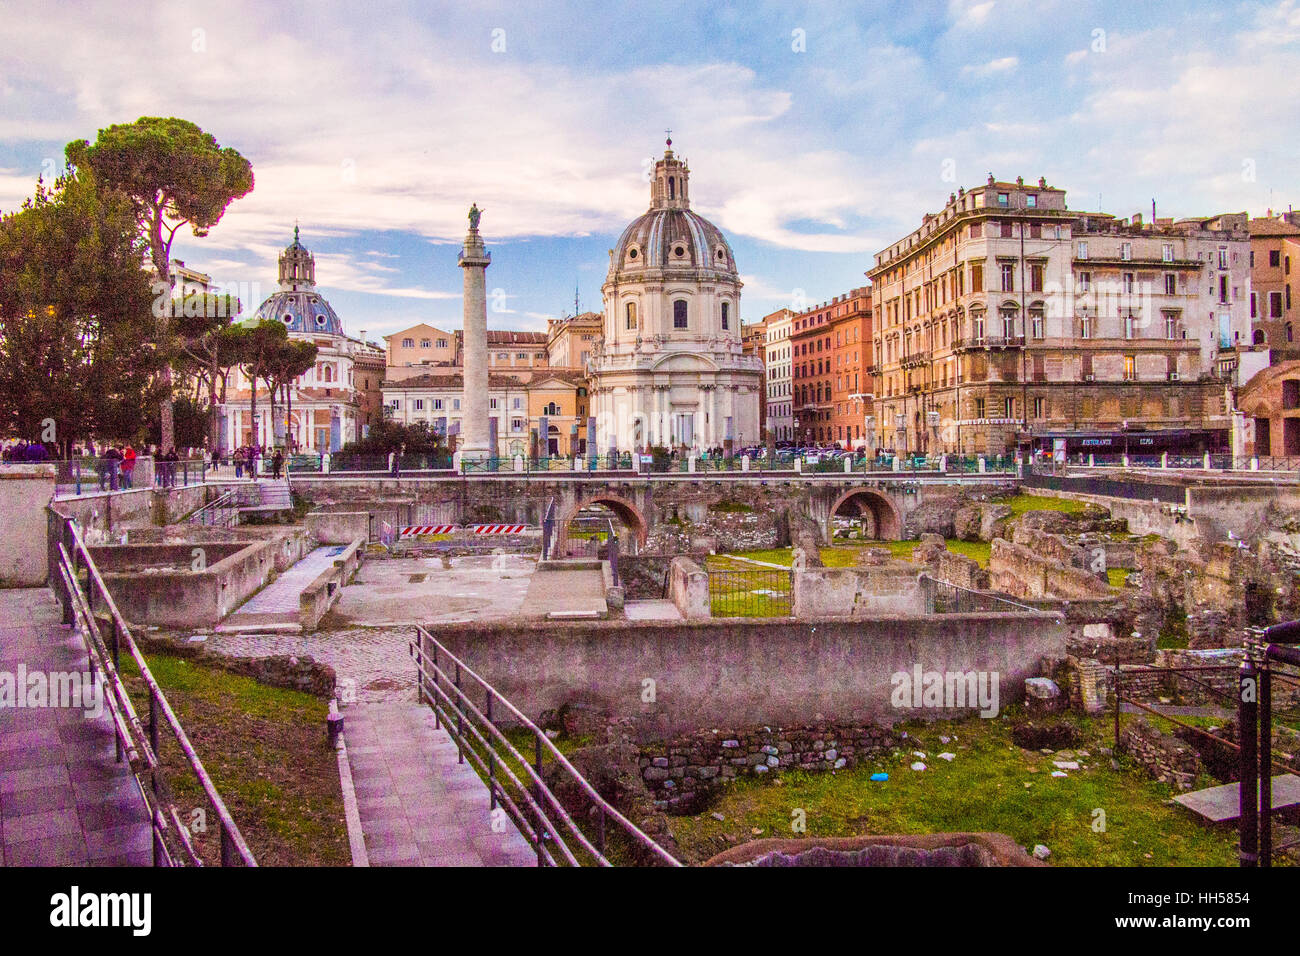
(915, 360)
(989, 342)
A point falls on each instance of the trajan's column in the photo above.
(474, 259)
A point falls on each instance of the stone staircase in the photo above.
(266, 495)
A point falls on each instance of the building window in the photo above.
(1167, 252)
(1039, 407)
(1289, 337)
(1006, 229)
(437, 404)
(455, 404)
(1083, 250)
(492, 403)
(1274, 258)
(1036, 278)
(679, 314)
(521, 355)
(1171, 326)
(442, 343)
(977, 277)
(726, 315)
(1009, 407)
(551, 410)
(419, 404)
(1171, 284)
(408, 343)
(1275, 305)
(517, 403)
(1085, 281)
(977, 230)
(1003, 199)
(1126, 251)
(424, 343)
(979, 408)
(1128, 282)
(1128, 326)
(1031, 200)
(1129, 368)
(631, 316)
(1036, 320)
(516, 424)
(1085, 327)
(1223, 258)
(1008, 277)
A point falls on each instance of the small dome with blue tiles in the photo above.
(297, 304)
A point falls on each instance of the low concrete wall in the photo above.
(751, 672)
(1237, 509)
(338, 527)
(25, 491)
(318, 597)
(889, 588)
(688, 588)
(202, 598)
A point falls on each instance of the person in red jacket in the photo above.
(128, 466)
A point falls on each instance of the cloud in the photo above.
(1001, 65)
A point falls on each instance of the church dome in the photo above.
(297, 304)
(669, 235)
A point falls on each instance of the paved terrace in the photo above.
(64, 799)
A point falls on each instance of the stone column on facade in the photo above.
(474, 259)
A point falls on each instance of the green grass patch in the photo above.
(845, 554)
(983, 789)
(1116, 577)
(1021, 503)
(268, 754)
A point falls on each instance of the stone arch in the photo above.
(886, 520)
(627, 512)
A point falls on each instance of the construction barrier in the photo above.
(418, 530)
(414, 531)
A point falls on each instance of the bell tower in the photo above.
(670, 187)
(297, 267)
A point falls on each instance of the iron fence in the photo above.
(105, 634)
(517, 783)
(223, 512)
(944, 598)
(756, 592)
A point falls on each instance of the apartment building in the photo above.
(1275, 267)
(753, 342)
(831, 349)
(778, 387)
(1008, 320)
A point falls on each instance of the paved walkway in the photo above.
(418, 806)
(654, 609)
(564, 593)
(277, 603)
(64, 800)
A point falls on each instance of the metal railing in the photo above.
(944, 598)
(138, 741)
(516, 782)
(223, 512)
(756, 592)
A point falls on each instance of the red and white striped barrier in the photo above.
(498, 528)
(415, 530)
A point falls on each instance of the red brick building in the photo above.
(830, 359)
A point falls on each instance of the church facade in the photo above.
(327, 406)
(670, 370)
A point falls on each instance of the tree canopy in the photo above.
(172, 174)
(77, 343)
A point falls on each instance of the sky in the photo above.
(816, 133)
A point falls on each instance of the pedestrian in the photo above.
(128, 467)
(277, 464)
(112, 460)
(251, 451)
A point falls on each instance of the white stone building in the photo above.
(670, 370)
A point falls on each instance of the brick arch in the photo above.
(627, 512)
(885, 515)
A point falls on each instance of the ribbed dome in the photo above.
(300, 312)
(666, 238)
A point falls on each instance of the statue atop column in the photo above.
(474, 215)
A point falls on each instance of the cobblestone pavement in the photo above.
(64, 798)
(418, 805)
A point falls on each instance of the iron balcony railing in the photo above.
(138, 742)
(515, 782)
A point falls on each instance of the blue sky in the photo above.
(817, 133)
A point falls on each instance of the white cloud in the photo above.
(1001, 65)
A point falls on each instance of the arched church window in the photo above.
(726, 315)
(631, 316)
(672, 188)
(679, 314)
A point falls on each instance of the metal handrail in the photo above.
(141, 748)
(973, 601)
(542, 829)
(225, 505)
